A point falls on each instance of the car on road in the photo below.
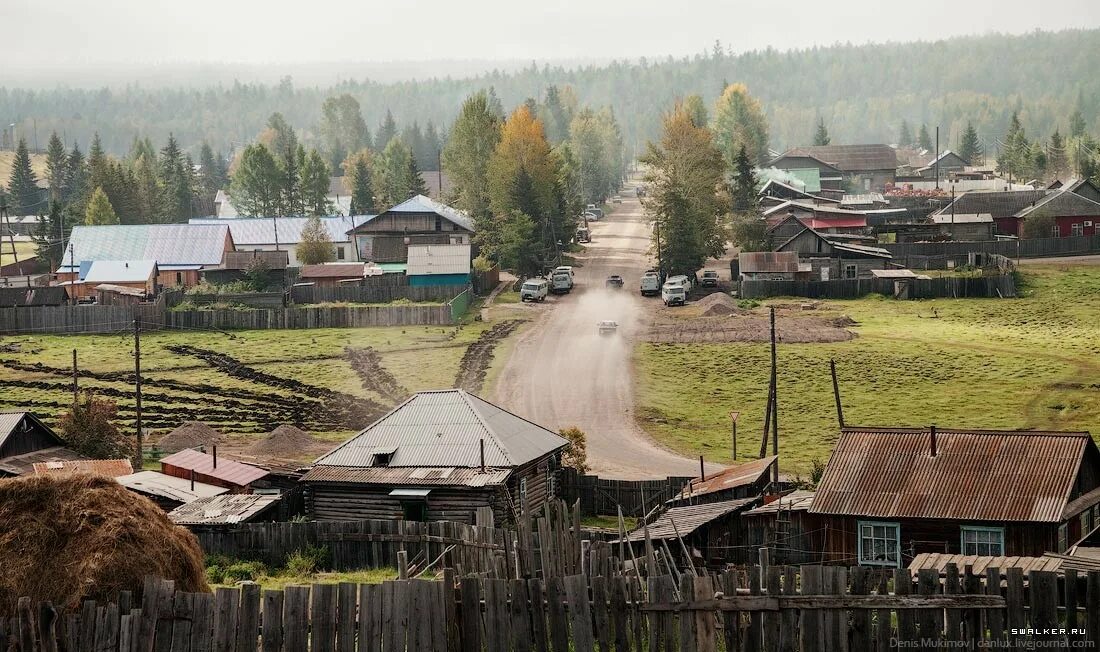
(673, 294)
(591, 217)
(616, 200)
(608, 327)
(651, 284)
(534, 289)
(584, 235)
(682, 280)
(614, 281)
(709, 280)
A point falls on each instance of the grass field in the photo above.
(7, 159)
(24, 250)
(1018, 363)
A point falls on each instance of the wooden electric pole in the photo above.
(775, 403)
(138, 453)
(76, 389)
(836, 394)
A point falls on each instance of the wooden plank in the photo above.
(182, 608)
(520, 614)
(559, 623)
(994, 618)
(387, 619)
(450, 612)
(1070, 601)
(345, 616)
(165, 595)
(928, 584)
(1043, 587)
(600, 613)
(296, 619)
(907, 621)
(497, 636)
(48, 634)
(973, 628)
(1092, 607)
(731, 620)
(26, 625)
(536, 598)
(638, 624)
(125, 640)
(580, 615)
(369, 630)
(686, 614)
(88, 623)
(706, 635)
(953, 617)
(420, 625)
(861, 618)
(440, 637)
(271, 635)
(811, 622)
(322, 618)
(1014, 603)
(225, 619)
(202, 624)
(470, 592)
(248, 618)
(399, 623)
(620, 613)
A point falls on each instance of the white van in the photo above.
(651, 285)
(561, 282)
(681, 279)
(534, 289)
(673, 294)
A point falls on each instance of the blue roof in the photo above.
(422, 204)
(170, 245)
(252, 231)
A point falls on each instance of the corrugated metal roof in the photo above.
(333, 270)
(998, 203)
(1050, 562)
(253, 231)
(444, 428)
(850, 158)
(984, 475)
(796, 501)
(863, 198)
(227, 470)
(9, 421)
(154, 483)
(961, 218)
(188, 245)
(417, 476)
(422, 204)
(109, 468)
(735, 476)
(120, 271)
(687, 519)
(222, 510)
(425, 260)
(1062, 203)
(21, 464)
(755, 262)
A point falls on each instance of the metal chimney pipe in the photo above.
(932, 432)
(215, 455)
(482, 444)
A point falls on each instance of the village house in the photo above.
(137, 275)
(775, 192)
(974, 227)
(831, 257)
(239, 265)
(181, 251)
(385, 238)
(439, 265)
(786, 528)
(1073, 208)
(709, 531)
(818, 177)
(863, 167)
(226, 509)
(889, 494)
(110, 468)
(237, 477)
(771, 266)
(285, 234)
(948, 164)
(26, 440)
(443, 455)
(333, 274)
(747, 480)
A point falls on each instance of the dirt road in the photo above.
(562, 372)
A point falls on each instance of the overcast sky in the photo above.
(74, 33)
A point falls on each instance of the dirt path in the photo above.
(563, 373)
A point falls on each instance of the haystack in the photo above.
(285, 442)
(70, 538)
(191, 434)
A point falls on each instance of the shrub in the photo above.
(748, 304)
(817, 470)
(307, 561)
(243, 571)
(215, 574)
(576, 455)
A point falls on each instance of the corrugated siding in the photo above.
(438, 259)
(413, 476)
(976, 475)
(203, 464)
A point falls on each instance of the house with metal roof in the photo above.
(442, 455)
(831, 255)
(866, 167)
(1072, 209)
(889, 494)
(26, 440)
(226, 509)
(708, 531)
(285, 234)
(439, 264)
(189, 463)
(168, 492)
(420, 220)
(138, 275)
(180, 251)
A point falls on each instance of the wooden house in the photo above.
(225, 510)
(26, 440)
(235, 476)
(889, 494)
(787, 528)
(441, 455)
(746, 480)
(709, 532)
(947, 164)
(139, 276)
(863, 167)
(439, 265)
(284, 234)
(332, 274)
(168, 492)
(833, 257)
(771, 266)
(385, 238)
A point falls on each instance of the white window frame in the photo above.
(978, 531)
(854, 268)
(522, 490)
(1055, 231)
(1076, 229)
(866, 560)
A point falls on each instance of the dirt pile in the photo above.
(72, 538)
(719, 304)
(191, 434)
(284, 442)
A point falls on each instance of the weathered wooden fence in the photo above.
(305, 294)
(293, 318)
(251, 299)
(781, 609)
(94, 318)
(604, 496)
(1001, 285)
(1022, 248)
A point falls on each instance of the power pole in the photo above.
(836, 393)
(138, 453)
(937, 161)
(76, 389)
(775, 404)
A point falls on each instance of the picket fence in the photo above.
(775, 608)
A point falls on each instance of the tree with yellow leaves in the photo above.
(739, 121)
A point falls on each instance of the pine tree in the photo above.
(386, 132)
(210, 181)
(821, 136)
(100, 211)
(1076, 124)
(50, 235)
(361, 187)
(315, 184)
(1056, 158)
(905, 137)
(924, 141)
(290, 173)
(76, 175)
(176, 179)
(415, 179)
(57, 163)
(743, 188)
(970, 149)
(315, 246)
(23, 184)
(150, 195)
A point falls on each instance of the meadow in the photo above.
(1028, 363)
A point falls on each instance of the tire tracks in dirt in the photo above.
(476, 361)
(367, 364)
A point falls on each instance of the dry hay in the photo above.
(190, 434)
(72, 538)
(286, 441)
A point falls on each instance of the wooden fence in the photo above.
(85, 319)
(292, 318)
(1001, 285)
(304, 294)
(1022, 248)
(777, 608)
(603, 496)
(251, 299)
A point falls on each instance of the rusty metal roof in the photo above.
(687, 519)
(21, 464)
(983, 475)
(731, 478)
(109, 468)
(796, 501)
(222, 510)
(203, 464)
(409, 476)
(445, 428)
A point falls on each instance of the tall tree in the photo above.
(1056, 157)
(23, 184)
(970, 149)
(76, 174)
(211, 178)
(315, 184)
(684, 174)
(586, 142)
(175, 176)
(924, 141)
(50, 234)
(518, 249)
(415, 179)
(280, 137)
(1077, 124)
(386, 131)
(150, 194)
(697, 109)
(905, 137)
(290, 173)
(821, 136)
(555, 116)
(432, 144)
(739, 120)
(257, 186)
(392, 183)
(360, 184)
(88, 428)
(472, 140)
(315, 246)
(100, 211)
(743, 186)
(57, 164)
(343, 129)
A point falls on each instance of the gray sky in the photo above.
(78, 33)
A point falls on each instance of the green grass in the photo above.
(1020, 363)
(280, 580)
(608, 522)
(507, 297)
(23, 249)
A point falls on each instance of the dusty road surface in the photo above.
(562, 372)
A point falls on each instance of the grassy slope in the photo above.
(1025, 363)
(7, 159)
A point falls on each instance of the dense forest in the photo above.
(862, 93)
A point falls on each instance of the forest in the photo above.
(863, 93)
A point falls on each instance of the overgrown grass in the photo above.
(1019, 363)
(608, 522)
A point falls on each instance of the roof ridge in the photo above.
(484, 424)
(965, 431)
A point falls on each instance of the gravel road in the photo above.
(563, 373)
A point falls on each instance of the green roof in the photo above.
(810, 177)
(391, 268)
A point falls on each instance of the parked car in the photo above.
(534, 289)
(709, 280)
(608, 327)
(614, 281)
(616, 200)
(673, 294)
(591, 217)
(561, 280)
(651, 284)
(584, 235)
(680, 279)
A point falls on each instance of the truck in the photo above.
(584, 235)
(673, 294)
(651, 284)
(534, 289)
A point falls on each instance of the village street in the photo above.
(563, 373)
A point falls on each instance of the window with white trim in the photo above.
(1055, 232)
(851, 271)
(879, 543)
(983, 541)
(1077, 229)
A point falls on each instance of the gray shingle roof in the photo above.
(444, 428)
(1062, 203)
(851, 158)
(171, 245)
(998, 203)
(251, 231)
(422, 204)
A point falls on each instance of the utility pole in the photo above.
(936, 162)
(836, 393)
(439, 171)
(76, 389)
(733, 420)
(138, 453)
(775, 403)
